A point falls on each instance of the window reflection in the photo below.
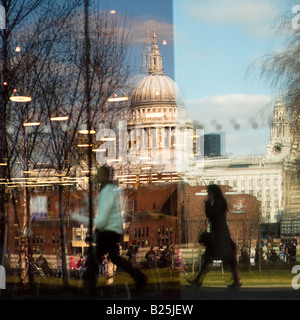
(166, 141)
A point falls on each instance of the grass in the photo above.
(160, 280)
(249, 279)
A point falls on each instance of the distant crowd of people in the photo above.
(285, 252)
(162, 257)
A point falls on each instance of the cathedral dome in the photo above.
(156, 89)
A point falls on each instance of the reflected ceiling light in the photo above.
(19, 97)
(112, 11)
(118, 97)
(115, 99)
(82, 145)
(83, 131)
(61, 118)
(31, 124)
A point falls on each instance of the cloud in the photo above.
(255, 16)
(243, 117)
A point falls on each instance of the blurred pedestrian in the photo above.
(150, 257)
(180, 263)
(80, 267)
(291, 252)
(72, 268)
(109, 225)
(131, 253)
(224, 248)
(59, 264)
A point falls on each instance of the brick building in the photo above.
(174, 214)
(155, 216)
(45, 221)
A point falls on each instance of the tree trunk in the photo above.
(62, 237)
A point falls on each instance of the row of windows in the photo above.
(251, 182)
(41, 249)
(144, 231)
(164, 230)
(39, 238)
(141, 243)
(141, 232)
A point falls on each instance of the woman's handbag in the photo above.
(207, 238)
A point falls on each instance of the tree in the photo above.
(282, 68)
(32, 27)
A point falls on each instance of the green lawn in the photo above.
(281, 278)
(161, 277)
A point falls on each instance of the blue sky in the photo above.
(216, 42)
(210, 47)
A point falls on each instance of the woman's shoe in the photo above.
(235, 285)
(194, 283)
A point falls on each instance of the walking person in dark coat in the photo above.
(224, 248)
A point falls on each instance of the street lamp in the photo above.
(59, 117)
(118, 95)
(31, 124)
(20, 96)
